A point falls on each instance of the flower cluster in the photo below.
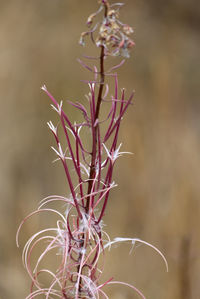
(112, 34)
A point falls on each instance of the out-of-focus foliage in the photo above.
(158, 195)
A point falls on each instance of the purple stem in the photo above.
(114, 145)
(119, 118)
(71, 151)
(79, 167)
(71, 187)
(110, 171)
(68, 122)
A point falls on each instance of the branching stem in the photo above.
(97, 110)
(95, 135)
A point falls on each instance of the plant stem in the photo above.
(94, 150)
(97, 110)
(95, 127)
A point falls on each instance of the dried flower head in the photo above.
(110, 33)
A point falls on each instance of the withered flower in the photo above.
(111, 33)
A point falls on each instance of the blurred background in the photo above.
(158, 195)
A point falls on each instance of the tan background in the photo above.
(158, 195)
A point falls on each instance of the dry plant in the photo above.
(79, 237)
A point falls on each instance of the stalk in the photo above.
(97, 112)
(79, 235)
(94, 145)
